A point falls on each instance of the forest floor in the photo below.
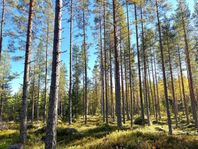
(94, 135)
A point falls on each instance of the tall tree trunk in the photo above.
(111, 86)
(139, 65)
(33, 102)
(105, 60)
(164, 73)
(117, 73)
(154, 89)
(46, 72)
(172, 84)
(26, 78)
(145, 70)
(190, 77)
(183, 88)
(102, 72)
(122, 81)
(38, 97)
(85, 63)
(70, 59)
(130, 71)
(50, 142)
(2, 27)
(157, 89)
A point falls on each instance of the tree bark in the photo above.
(164, 73)
(183, 89)
(117, 73)
(139, 65)
(190, 77)
(70, 68)
(26, 78)
(145, 70)
(50, 142)
(2, 27)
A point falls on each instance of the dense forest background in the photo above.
(108, 64)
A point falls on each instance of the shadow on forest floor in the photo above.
(94, 135)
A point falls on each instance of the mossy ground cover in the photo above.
(96, 135)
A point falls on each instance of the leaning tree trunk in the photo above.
(164, 71)
(70, 68)
(50, 142)
(139, 69)
(2, 27)
(117, 73)
(183, 89)
(190, 77)
(26, 78)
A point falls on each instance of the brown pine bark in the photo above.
(26, 77)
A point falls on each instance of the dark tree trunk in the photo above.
(117, 73)
(190, 77)
(102, 72)
(164, 71)
(85, 63)
(139, 69)
(145, 70)
(130, 71)
(50, 142)
(2, 27)
(183, 88)
(70, 68)
(122, 81)
(26, 77)
(105, 61)
(172, 84)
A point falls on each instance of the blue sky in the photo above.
(18, 66)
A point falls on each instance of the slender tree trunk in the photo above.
(122, 81)
(157, 89)
(2, 27)
(102, 72)
(33, 102)
(70, 68)
(38, 98)
(172, 84)
(26, 78)
(46, 72)
(154, 90)
(164, 73)
(145, 70)
(50, 142)
(139, 69)
(130, 71)
(117, 73)
(85, 62)
(105, 60)
(126, 86)
(111, 86)
(183, 89)
(190, 77)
